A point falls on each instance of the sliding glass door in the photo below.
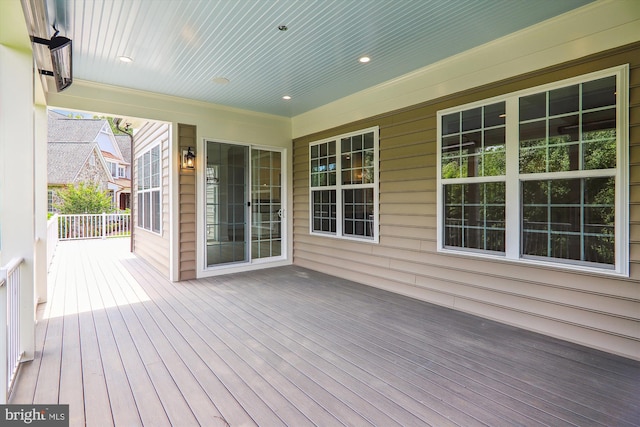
(243, 194)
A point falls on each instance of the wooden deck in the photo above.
(288, 346)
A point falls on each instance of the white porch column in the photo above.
(17, 178)
(40, 195)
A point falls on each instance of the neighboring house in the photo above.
(123, 200)
(87, 150)
(71, 163)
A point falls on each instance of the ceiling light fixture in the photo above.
(126, 59)
(286, 97)
(364, 59)
(283, 27)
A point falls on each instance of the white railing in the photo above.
(10, 350)
(93, 226)
(52, 238)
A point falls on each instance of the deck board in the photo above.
(289, 346)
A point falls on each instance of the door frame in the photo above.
(285, 259)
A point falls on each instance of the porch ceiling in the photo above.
(180, 47)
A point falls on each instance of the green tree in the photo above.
(86, 197)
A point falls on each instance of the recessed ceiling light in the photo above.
(220, 80)
(364, 59)
(126, 59)
(286, 97)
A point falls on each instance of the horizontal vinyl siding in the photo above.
(150, 246)
(596, 310)
(187, 205)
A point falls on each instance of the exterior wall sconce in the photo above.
(61, 60)
(188, 159)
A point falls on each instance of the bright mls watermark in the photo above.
(34, 415)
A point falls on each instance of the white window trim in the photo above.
(513, 178)
(149, 190)
(339, 187)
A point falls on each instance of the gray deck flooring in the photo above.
(289, 346)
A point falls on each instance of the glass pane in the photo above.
(533, 160)
(472, 119)
(494, 115)
(599, 136)
(564, 100)
(156, 210)
(494, 157)
(146, 172)
(155, 167)
(451, 123)
(599, 93)
(146, 209)
(140, 210)
(533, 134)
(533, 106)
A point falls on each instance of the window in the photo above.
(344, 186)
(538, 175)
(149, 206)
(121, 172)
(113, 168)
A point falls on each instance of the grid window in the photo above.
(149, 190)
(344, 185)
(539, 176)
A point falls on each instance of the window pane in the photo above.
(533, 106)
(494, 115)
(493, 158)
(564, 100)
(451, 123)
(146, 208)
(599, 93)
(140, 210)
(472, 119)
(599, 136)
(146, 172)
(156, 209)
(155, 167)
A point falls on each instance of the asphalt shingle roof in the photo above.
(65, 160)
(74, 130)
(124, 143)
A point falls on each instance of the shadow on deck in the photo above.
(289, 346)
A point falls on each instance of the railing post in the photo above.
(104, 225)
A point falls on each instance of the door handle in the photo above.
(280, 213)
